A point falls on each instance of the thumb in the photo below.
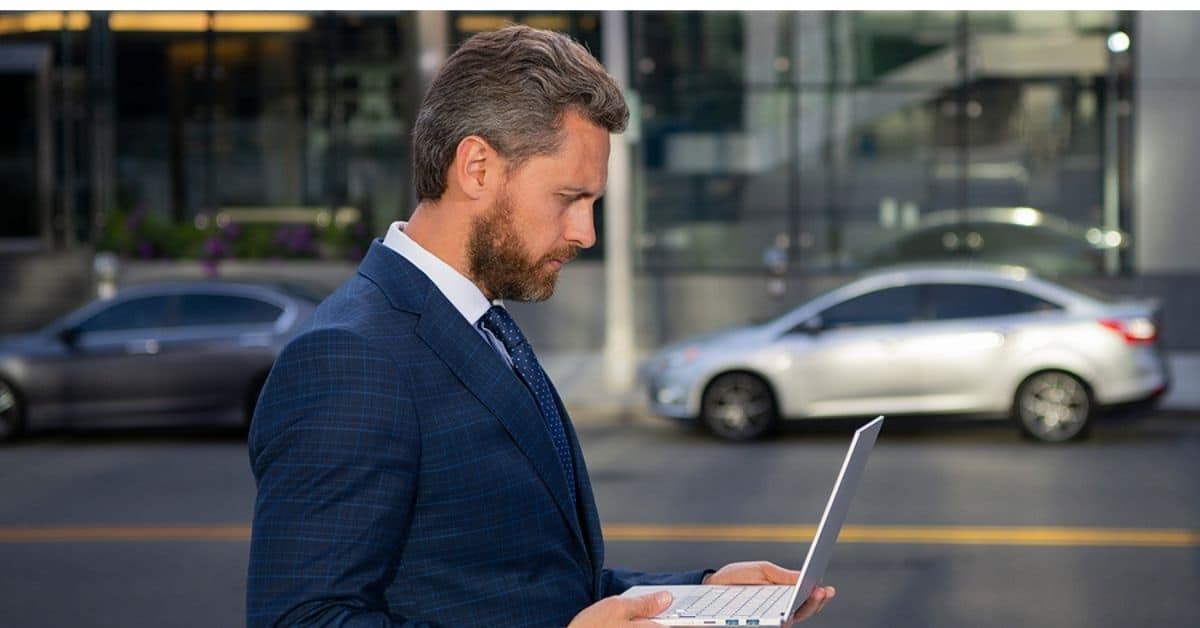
(779, 575)
(647, 605)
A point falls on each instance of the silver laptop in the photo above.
(770, 605)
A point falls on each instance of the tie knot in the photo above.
(498, 321)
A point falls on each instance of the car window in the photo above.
(951, 301)
(143, 313)
(882, 307)
(220, 309)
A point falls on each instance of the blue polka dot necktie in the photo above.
(525, 363)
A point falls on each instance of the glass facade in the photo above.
(807, 142)
(298, 123)
(214, 133)
(791, 142)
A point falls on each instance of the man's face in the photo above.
(541, 217)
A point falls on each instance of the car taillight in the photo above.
(1133, 330)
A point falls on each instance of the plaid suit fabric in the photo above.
(405, 476)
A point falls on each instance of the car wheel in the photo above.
(11, 419)
(1054, 407)
(739, 407)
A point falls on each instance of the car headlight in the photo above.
(681, 358)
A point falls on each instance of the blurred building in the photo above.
(772, 151)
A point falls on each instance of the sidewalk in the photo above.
(579, 378)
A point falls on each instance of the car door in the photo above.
(112, 368)
(219, 344)
(965, 346)
(846, 360)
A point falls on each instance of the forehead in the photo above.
(581, 160)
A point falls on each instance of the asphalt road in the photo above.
(955, 524)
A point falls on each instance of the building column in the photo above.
(620, 357)
(100, 99)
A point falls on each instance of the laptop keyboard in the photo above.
(717, 601)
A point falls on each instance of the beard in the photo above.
(500, 262)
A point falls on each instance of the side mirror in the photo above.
(68, 335)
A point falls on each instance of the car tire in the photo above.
(739, 407)
(12, 418)
(1053, 407)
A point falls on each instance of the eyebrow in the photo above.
(580, 192)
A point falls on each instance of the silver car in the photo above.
(921, 340)
(181, 352)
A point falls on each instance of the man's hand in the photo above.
(763, 572)
(623, 611)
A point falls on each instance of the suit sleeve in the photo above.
(616, 581)
(334, 447)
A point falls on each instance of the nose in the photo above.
(581, 230)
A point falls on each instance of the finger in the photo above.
(813, 605)
(820, 606)
(830, 592)
(778, 575)
(648, 605)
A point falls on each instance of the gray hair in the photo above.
(511, 87)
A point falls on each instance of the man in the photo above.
(414, 464)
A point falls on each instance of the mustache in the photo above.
(565, 254)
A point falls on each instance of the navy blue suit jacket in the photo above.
(406, 477)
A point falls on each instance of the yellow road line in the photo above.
(926, 535)
(935, 535)
(125, 533)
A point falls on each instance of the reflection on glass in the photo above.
(837, 133)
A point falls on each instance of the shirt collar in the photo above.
(466, 297)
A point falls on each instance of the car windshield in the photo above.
(766, 319)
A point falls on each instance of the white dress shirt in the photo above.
(462, 293)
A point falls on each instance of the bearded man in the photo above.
(415, 466)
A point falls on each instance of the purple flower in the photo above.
(231, 231)
(215, 248)
(295, 239)
(144, 249)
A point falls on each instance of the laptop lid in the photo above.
(836, 509)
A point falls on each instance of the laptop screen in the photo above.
(835, 512)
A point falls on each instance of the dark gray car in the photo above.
(167, 353)
(1041, 242)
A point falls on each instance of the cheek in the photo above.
(544, 229)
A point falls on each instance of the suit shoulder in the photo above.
(359, 307)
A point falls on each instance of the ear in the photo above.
(476, 167)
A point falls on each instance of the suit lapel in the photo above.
(483, 372)
(583, 488)
(486, 375)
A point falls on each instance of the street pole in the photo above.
(1112, 192)
(619, 348)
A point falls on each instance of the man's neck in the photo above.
(443, 230)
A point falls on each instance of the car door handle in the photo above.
(143, 347)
